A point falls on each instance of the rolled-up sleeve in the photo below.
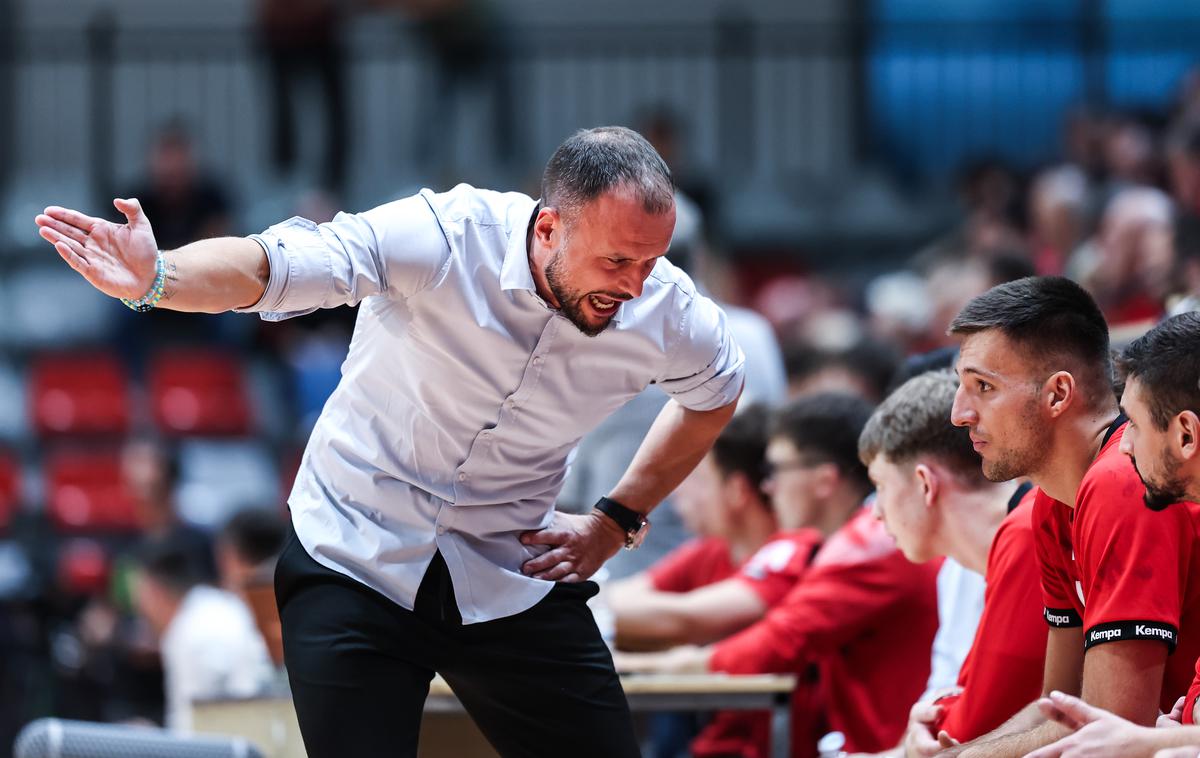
(396, 249)
(706, 368)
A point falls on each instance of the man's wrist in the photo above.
(633, 524)
(609, 527)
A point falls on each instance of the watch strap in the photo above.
(628, 519)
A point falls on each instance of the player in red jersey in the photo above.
(648, 618)
(1036, 395)
(1162, 400)
(862, 619)
(934, 500)
(721, 502)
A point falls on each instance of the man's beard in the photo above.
(570, 302)
(1013, 463)
(1158, 497)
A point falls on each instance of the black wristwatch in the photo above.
(633, 523)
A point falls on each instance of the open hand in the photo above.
(1099, 734)
(117, 259)
(579, 546)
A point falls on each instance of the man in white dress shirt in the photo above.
(493, 332)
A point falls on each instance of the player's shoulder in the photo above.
(783, 550)
(1018, 524)
(1016, 536)
(465, 202)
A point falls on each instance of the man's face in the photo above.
(701, 501)
(900, 504)
(998, 400)
(792, 484)
(1150, 450)
(603, 257)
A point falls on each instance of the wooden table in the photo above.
(270, 722)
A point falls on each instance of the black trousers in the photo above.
(540, 683)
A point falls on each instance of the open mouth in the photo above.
(603, 305)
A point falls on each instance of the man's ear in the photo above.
(1059, 393)
(929, 482)
(825, 480)
(737, 491)
(1186, 435)
(546, 225)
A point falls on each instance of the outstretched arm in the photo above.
(209, 276)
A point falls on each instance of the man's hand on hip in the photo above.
(579, 546)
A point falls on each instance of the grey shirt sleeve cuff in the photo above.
(299, 275)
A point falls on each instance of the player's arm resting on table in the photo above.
(646, 617)
(1122, 677)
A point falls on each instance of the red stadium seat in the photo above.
(10, 490)
(79, 395)
(84, 492)
(83, 567)
(199, 392)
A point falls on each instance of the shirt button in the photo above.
(441, 530)
(462, 477)
(537, 359)
(512, 403)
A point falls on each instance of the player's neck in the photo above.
(749, 533)
(838, 510)
(1075, 447)
(974, 518)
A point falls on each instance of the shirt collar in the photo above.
(514, 271)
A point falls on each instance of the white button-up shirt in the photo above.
(464, 394)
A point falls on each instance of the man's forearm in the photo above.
(1024, 732)
(641, 622)
(215, 275)
(674, 445)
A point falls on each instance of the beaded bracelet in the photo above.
(151, 298)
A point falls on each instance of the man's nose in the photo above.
(961, 413)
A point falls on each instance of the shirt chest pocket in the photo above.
(572, 396)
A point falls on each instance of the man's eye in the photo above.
(984, 386)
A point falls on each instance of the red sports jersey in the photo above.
(1121, 570)
(1003, 671)
(1189, 706)
(696, 563)
(771, 573)
(776, 566)
(865, 617)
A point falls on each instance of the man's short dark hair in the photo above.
(741, 447)
(594, 161)
(255, 534)
(169, 562)
(1166, 363)
(914, 421)
(1049, 318)
(826, 426)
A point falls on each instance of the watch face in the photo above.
(636, 539)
